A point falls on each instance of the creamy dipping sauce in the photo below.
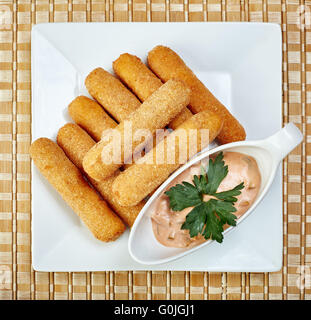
(167, 224)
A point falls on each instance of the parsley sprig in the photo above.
(207, 217)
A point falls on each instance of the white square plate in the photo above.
(239, 62)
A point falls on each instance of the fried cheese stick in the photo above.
(167, 64)
(136, 182)
(66, 178)
(155, 113)
(76, 143)
(90, 116)
(143, 82)
(116, 99)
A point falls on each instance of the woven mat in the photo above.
(22, 282)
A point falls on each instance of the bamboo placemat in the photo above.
(22, 282)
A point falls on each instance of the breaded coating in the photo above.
(76, 143)
(183, 116)
(66, 178)
(136, 75)
(167, 64)
(143, 82)
(155, 113)
(116, 99)
(90, 116)
(136, 182)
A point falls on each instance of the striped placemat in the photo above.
(17, 278)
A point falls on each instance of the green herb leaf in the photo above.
(201, 183)
(207, 217)
(230, 195)
(214, 226)
(203, 216)
(217, 171)
(183, 196)
(224, 211)
(195, 220)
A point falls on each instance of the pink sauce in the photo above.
(167, 224)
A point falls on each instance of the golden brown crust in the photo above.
(183, 116)
(136, 75)
(143, 177)
(90, 116)
(166, 64)
(155, 113)
(65, 177)
(143, 82)
(116, 99)
(76, 142)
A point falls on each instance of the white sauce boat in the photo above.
(143, 246)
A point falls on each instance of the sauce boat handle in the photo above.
(284, 141)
